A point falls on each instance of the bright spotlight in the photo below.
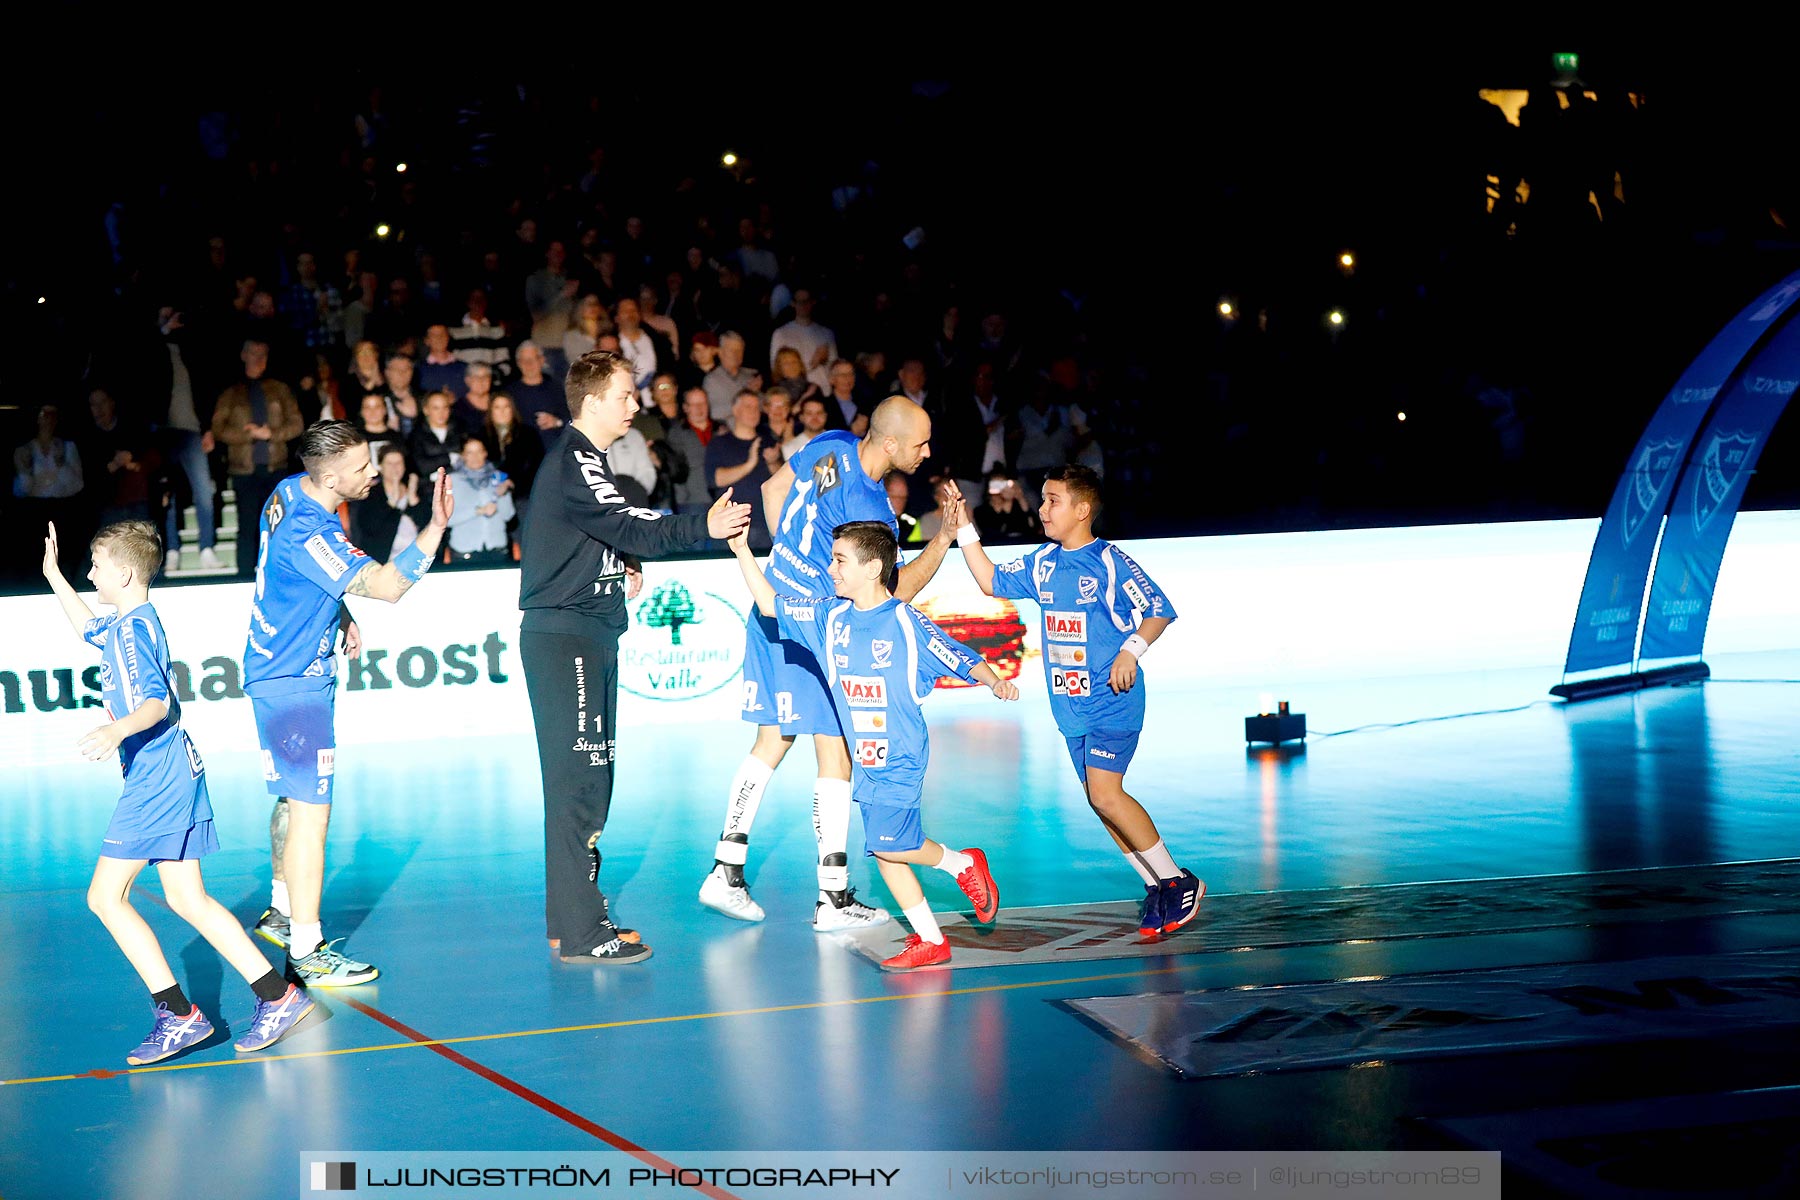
(42, 299)
(1225, 308)
(1346, 259)
(381, 231)
(1400, 416)
(1335, 317)
(400, 168)
(730, 159)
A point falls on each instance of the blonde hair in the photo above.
(132, 544)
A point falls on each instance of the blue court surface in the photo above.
(772, 1037)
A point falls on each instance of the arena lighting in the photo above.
(1227, 309)
(42, 299)
(381, 231)
(1347, 260)
(1335, 317)
(1399, 416)
(400, 168)
(730, 159)
(1275, 727)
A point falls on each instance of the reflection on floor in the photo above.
(772, 1037)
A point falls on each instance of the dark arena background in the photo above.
(1422, 380)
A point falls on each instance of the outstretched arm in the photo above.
(917, 573)
(760, 590)
(392, 580)
(980, 565)
(1004, 689)
(774, 496)
(73, 606)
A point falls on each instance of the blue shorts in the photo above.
(1103, 750)
(890, 828)
(299, 747)
(167, 847)
(783, 685)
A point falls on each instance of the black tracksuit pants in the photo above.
(574, 686)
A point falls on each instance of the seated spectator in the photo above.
(635, 470)
(483, 500)
(689, 438)
(910, 382)
(365, 371)
(478, 394)
(703, 356)
(479, 339)
(512, 446)
(663, 326)
(739, 457)
(779, 425)
(47, 481)
(639, 345)
(816, 345)
(323, 399)
(373, 418)
(550, 296)
(664, 410)
(403, 406)
(124, 463)
(970, 432)
(724, 382)
(790, 376)
(898, 493)
(441, 370)
(584, 331)
(436, 442)
(389, 519)
(1003, 515)
(314, 308)
(812, 424)
(540, 399)
(844, 407)
(255, 420)
(671, 473)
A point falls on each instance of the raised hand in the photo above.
(52, 570)
(725, 520)
(442, 502)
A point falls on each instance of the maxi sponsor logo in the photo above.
(1065, 626)
(683, 643)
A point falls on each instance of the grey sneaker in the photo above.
(273, 926)
(325, 967)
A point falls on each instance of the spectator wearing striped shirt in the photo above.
(479, 340)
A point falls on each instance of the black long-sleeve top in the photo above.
(579, 536)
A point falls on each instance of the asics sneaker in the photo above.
(733, 900)
(977, 883)
(1150, 916)
(842, 910)
(917, 952)
(274, 1018)
(326, 967)
(1180, 900)
(171, 1035)
(274, 926)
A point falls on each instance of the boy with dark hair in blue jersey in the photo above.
(305, 566)
(834, 479)
(1100, 612)
(163, 816)
(880, 658)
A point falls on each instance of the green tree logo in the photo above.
(671, 604)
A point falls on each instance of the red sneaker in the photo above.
(977, 883)
(917, 952)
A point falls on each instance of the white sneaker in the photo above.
(210, 560)
(171, 562)
(732, 901)
(842, 910)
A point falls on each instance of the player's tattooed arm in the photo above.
(380, 581)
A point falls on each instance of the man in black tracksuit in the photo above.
(582, 542)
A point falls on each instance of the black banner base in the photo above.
(1613, 685)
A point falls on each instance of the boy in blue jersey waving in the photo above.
(1100, 613)
(163, 816)
(880, 658)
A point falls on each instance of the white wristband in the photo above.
(968, 535)
(1137, 645)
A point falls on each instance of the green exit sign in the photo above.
(1567, 62)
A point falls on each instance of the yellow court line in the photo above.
(252, 1059)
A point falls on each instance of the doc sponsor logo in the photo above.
(868, 722)
(871, 753)
(683, 643)
(1073, 684)
(1066, 656)
(865, 691)
(1065, 626)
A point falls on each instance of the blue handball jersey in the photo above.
(830, 489)
(304, 564)
(881, 664)
(160, 764)
(1092, 599)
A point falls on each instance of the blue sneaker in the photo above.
(1150, 916)
(273, 1018)
(1180, 900)
(171, 1036)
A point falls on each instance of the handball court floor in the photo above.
(771, 1037)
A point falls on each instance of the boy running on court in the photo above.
(881, 657)
(1098, 608)
(163, 816)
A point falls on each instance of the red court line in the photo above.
(544, 1102)
(515, 1087)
